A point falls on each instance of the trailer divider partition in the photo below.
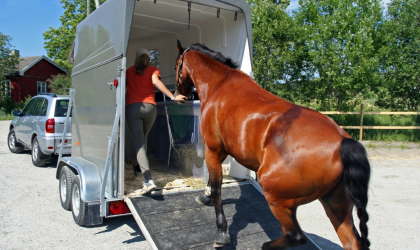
(94, 177)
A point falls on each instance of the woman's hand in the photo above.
(160, 86)
(180, 97)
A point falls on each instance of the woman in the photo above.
(140, 111)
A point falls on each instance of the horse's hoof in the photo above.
(203, 199)
(222, 240)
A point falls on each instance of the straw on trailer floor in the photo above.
(169, 182)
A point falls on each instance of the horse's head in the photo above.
(184, 83)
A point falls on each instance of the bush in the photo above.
(8, 105)
(60, 84)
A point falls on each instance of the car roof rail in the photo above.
(50, 94)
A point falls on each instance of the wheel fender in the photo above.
(90, 179)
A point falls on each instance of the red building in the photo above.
(31, 79)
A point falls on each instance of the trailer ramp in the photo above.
(177, 221)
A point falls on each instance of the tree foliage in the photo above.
(9, 63)
(343, 38)
(60, 84)
(401, 57)
(58, 41)
(278, 49)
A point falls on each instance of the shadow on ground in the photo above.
(112, 224)
(51, 162)
(323, 243)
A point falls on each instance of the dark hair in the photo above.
(215, 55)
(141, 63)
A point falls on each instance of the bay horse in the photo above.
(299, 154)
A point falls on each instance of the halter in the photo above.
(180, 64)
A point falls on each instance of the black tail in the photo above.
(356, 177)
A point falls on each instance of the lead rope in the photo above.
(189, 14)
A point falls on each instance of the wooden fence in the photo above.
(361, 113)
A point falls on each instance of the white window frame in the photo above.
(43, 87)
(7, 87)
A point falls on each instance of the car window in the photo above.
(44, 107)
(27, 109)
(37, 106)
(61, 108)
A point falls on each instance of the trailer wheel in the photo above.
(66, 176)
(14, 146)
(37, 155)
(77, 204)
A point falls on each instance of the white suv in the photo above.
(40, 127)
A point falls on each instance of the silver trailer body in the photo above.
(105, 46)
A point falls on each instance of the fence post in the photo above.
(361, 123)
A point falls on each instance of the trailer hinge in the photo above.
(120, 69)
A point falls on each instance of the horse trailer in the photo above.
(93, 180)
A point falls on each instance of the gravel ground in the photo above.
(393, 206)
(31, 216)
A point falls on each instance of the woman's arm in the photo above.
(160, 86)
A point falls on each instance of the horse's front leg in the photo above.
(214, 161)
(205, 197)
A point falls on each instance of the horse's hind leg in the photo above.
(339, 207)
(293, 236)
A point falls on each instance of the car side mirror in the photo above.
(17, 113)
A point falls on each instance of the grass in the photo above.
(5, 117)
(403, 135)
(400, 135)
(371, 145)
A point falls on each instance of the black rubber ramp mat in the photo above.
(177, 221)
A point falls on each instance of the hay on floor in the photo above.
(169, 182)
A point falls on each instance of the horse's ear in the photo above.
(180, 49)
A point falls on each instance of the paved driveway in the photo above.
(31, 216)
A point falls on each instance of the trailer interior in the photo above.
(175, 148)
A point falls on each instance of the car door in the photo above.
(34, 118)
(26, 126)
(21, 126)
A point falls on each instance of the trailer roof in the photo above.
(104, 35)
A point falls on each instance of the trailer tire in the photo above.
(38, 158)
(64, 187)
(77, 204)
(14, 146)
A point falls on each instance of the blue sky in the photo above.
(26, 20)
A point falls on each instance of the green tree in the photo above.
(401, 57)
(278, 50)
(9, 63)
(343, 38)
(58, 41)
(60, 84)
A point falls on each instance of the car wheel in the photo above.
(37, 155)
(77, 204)
(66, 176)
(14, 146)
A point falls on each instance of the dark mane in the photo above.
(215, 55)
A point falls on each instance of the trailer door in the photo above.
(99, 59)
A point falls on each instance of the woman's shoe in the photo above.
(148, 187)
